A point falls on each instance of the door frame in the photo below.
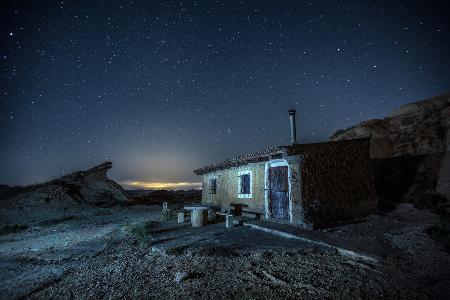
(272, 164)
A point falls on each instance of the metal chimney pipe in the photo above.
(293, 127)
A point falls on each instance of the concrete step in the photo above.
(359, 249)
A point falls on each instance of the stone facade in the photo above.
(227, 188)
(328, 182)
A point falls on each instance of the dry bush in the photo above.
(141, 232)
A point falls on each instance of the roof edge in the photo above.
(267, 154)
(243, 160)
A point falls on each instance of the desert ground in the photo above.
(103, 253)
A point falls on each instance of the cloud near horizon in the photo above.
(160, 185)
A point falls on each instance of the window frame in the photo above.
(213, 191)
(239, 185)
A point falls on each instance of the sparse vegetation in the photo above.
(12, 228)
(141, 232)
(166, 214)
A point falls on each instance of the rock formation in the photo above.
(413, 129)
(91, 187)
(410, 144)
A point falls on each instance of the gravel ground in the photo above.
(259, 265)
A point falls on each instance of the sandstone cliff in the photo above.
(417, 128)
(410, 147)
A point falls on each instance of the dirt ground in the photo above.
(90, 254)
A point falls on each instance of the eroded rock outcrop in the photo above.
(91, 187)
(413, 129)
(410, 147)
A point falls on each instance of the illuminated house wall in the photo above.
(328, 182)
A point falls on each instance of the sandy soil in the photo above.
(92, 255)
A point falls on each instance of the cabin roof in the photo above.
(279, 152)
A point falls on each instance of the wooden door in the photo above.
(279, 192)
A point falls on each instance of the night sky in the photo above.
(162, 88)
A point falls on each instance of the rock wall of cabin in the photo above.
(227, 187)
(337, 181)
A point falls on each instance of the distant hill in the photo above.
(149, 197)
(4, 187)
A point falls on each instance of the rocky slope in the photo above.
(410, 147)
(417, 128)
(91, 187)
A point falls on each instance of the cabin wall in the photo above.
(337, 181)
(227, 187)
(328, 183)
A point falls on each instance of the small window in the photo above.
(245, 184)
(213, 186)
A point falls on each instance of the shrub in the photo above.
(141, 232)
(428, 200)
(440, 231)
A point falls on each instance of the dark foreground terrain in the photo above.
(98, 253)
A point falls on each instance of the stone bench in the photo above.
(197, 215)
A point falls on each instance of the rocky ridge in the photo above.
(410, 147)
(91, 187)
(413, 129)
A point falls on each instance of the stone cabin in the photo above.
(312, 185)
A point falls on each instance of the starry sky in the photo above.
(163, 87)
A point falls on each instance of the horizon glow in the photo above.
(161, 185)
